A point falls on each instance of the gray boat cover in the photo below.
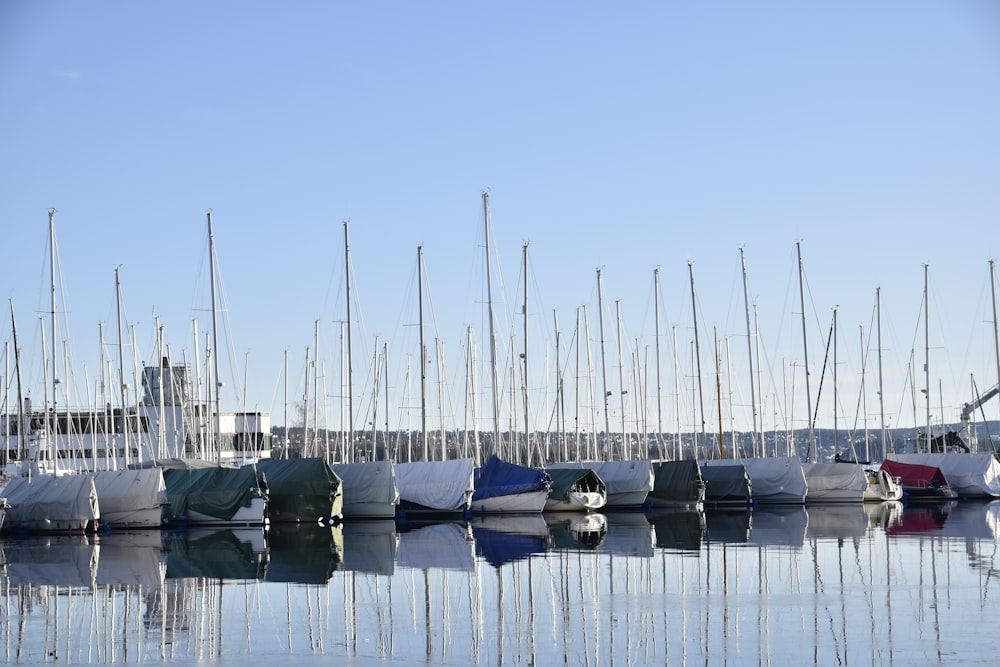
(436, 485)
(618, 476)
(367, 482)
(124, 492)
(776, 479)
(727, 481)
(835, 481)
(63, 499)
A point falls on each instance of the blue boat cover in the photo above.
(500, 478)
(499, 548)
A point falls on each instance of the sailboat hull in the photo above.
(529, 501)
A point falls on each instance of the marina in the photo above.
(869, 584)
(566, 334)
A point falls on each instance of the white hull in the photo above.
(578, 501)
(529, 501)
(254, 515)
(882, 487)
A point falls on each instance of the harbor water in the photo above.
(853, 584)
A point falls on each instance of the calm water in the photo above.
(845, 585)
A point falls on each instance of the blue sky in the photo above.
(620, 137)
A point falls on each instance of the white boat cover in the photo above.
(437, 485)
(63, 500)
(367, 482)
(123, 493)
(775, 479)
(975, 474)
(835, 481)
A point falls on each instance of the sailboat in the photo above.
(970, 474)
(920, 483)
(826, 481)
(432, 488)
(369, 486)
(503, 486)
(575, 490)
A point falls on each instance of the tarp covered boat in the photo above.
(131, 498)
(727, 484)
(835, 482)
(776, 479)
(920, 482)
(301, 490)
(575, 490)
(216, 496)
(628, 483)
(501, 486)
(435, 486)
(971, 475)
(369, 487)
(52, 504)
(677, 484)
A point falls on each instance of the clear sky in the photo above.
(623, 137)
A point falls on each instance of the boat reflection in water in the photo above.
(669, 587)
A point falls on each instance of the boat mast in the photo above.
(284, 453)
(864, 397)
(350, 377)
(52, 282)
(524, 356)
(836, 439)
(560, 398)
(805, 356)
(423, 350)
(470, 377)
(996, 339)
(22, 450)
(678, 447)
(576, 389)
(746, 308)
(927, 363)
(621, 376)
(659, 384)
(697, 358)
(493, 338)
(881, 398)
(718, 392)
(215, 344)
(121, 366)
(604, 372)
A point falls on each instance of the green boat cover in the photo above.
(216, 555)
(217, 492)
(301, 489)
(677, 481)
(566, 479)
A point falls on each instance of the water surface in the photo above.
(828, 585)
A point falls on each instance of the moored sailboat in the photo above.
(504, 487)
(575, 490)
